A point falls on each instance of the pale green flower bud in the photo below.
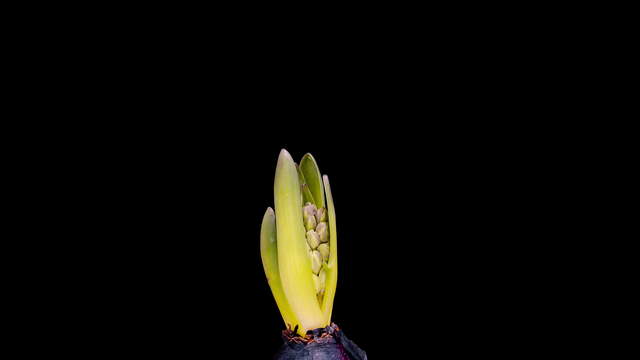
(323, 232)
(323, 278)
(324, 251)
(313, 239)
(321, 215)
(309, 210)
(318, 283)
(310, 222)
(316, 261)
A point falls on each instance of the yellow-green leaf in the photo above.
(269, 255)
(293, 259)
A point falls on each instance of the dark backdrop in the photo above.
(435, 235)
(433, 145)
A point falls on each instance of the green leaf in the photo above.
(311, 174)
(306, 193)
(332, 267)
(293, 258)
(269, 255)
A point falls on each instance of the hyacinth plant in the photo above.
(299, 250)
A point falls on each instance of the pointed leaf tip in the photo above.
(286, 154)
(311, 173)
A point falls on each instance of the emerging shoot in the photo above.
(299, 244)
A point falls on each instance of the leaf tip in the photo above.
(285, 154)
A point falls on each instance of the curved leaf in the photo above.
(311, 174)
(269, 255)
(332, 267)
(293, 258)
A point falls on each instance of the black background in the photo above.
(435, 232)
(439, 136)
(434, 165)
